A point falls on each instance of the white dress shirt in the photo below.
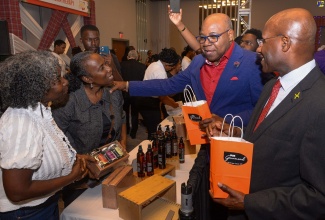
(290, 80)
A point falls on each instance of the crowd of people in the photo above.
(53, 114)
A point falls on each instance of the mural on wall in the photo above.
(79, 7)
(18, 17)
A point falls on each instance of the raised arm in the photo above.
(190, 39)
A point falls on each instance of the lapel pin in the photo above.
(297, 95)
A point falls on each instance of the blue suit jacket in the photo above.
(237, 97)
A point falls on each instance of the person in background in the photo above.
(249, 39)
(126, 52)
(227, 77)
(132, 70)
(238, 39)
(296, 191)
(92, 117)
(59, 48)
(90, 38)
(320, 58)
(149, 106)
(36, 158)
(148, 60)
(187, 55)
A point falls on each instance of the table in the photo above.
(89, 205)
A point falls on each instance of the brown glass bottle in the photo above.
(149, 161)
(155, 144)
(168, 145)
(140, 162)
(161, 153)
(174, 143)
(181, 150)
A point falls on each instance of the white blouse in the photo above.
(30, 140)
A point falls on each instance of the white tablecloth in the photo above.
(89, 205)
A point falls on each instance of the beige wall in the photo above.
(262, 10)
(113, 16)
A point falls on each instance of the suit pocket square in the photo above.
(234, 78)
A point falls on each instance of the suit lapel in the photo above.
(226, 75)
(291, 100)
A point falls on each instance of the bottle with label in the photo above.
(159, 130)
(167, 131)
(161, 153)
(174, 143)
(181, 150)
(149, 161)
(155, 144)
(168, 145)
(140, 162)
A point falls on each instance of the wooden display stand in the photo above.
(147, 199)
(100, 171)
(121, 179)
(170, 170)
(173, 161)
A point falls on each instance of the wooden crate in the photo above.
(143, 195)
(100, 171)
(118, 181)
(169, 170)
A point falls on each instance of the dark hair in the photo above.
(186, 50)
(154, 58)
(88, 27)
(75, 50)
(78, 69)
(238, 39)
(168, 56)
(26, 77)
(255, 32)
(58, 42)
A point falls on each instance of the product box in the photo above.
(118, 181)
(148, 199)
(107, 157)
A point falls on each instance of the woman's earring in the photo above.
(49, 104)
(91, 86)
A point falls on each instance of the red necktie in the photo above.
(267, 107)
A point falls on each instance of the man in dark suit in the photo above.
(288, 170)
(132, 70)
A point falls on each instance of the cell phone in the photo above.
(175, 5)
(104, 50)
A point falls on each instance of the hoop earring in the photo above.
(91, 86)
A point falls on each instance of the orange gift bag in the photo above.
(194, 111)
(230, 162)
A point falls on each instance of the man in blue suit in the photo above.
(225, 75)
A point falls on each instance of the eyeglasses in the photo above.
(262, 41)
(213, 38)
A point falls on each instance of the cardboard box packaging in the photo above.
(141, 201)
(100, 169)
(121, 179)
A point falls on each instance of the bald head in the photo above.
(218, 19)
(289, 40)
(296, 23)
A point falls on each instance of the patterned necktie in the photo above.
(267, 107)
